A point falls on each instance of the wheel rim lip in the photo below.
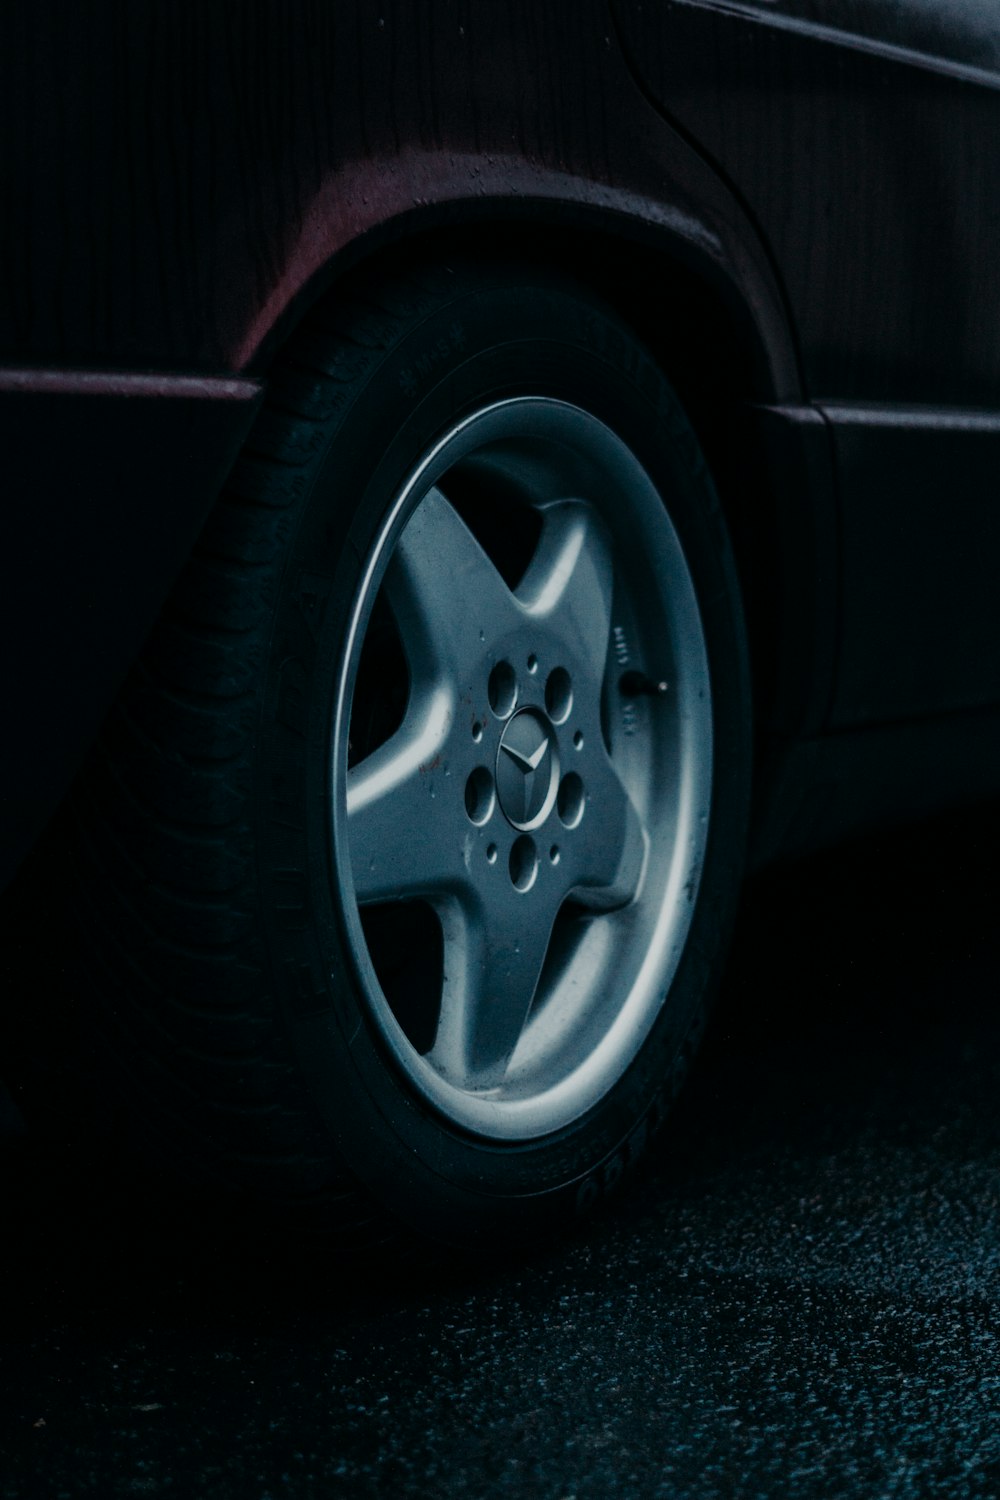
(507, 1114)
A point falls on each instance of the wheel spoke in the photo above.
(406, 839)
(616, 845)
(446, 594)
(493, 959)
(569, 583)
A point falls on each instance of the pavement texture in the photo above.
(798, 1298)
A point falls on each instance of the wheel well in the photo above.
(702, 339)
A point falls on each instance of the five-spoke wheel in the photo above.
(550, 813)
(412, 849)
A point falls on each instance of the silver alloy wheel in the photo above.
(546, 792)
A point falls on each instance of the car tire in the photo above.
(409, 855)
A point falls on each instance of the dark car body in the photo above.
(795, 203)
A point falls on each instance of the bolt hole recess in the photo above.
(477, 731)
(502, 689)
(558, 695)
(479, 796)
(523, 863)
(554, 854)
(570, 800)
(491, 854)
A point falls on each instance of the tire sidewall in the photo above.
(471, 346)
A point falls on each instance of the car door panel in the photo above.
(863, 142)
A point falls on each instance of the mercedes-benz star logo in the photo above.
(527, 769)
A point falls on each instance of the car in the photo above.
(480, 478)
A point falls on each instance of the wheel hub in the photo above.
(527, 769)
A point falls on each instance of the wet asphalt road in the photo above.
(800, 1298)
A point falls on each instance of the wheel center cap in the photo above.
(527, 771)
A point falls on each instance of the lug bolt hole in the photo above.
(479, 795)
(570, 800)
(532, 663)
(477, 731)
(491, 854)
(558, 695)
(578, 740)
(502, 689)
(523, 863)
(554, 854)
